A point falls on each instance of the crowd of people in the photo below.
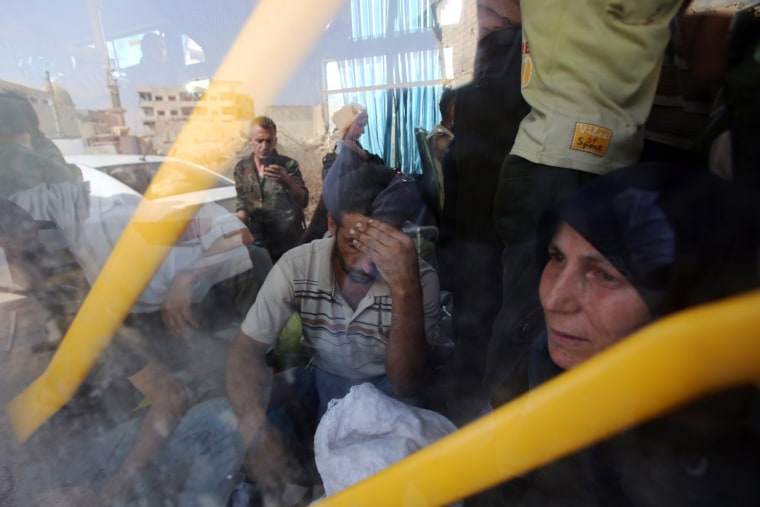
(560, 237)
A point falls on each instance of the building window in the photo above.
(162, 113)
(187, 111)
(394, 91)
(369, 18)
(159, 98)
(171, 97)
(173, 112)
(146, 96)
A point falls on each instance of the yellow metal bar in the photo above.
(673, 361)
(268, 49)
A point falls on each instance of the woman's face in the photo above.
(356, 130)
(588, 304)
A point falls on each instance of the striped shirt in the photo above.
(343, 341)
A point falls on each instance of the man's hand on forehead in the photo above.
(391, 250)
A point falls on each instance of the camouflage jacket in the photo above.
(276, 221)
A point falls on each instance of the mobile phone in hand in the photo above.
(269, 161)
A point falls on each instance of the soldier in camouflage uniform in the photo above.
(271, 193)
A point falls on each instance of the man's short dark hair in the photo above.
(355, 191)
(447, 98)
(264, 122)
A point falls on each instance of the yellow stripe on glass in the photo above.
(274, 38)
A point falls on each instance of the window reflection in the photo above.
(114, 86)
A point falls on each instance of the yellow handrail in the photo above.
(263, 43)
(671, 362)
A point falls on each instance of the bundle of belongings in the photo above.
(367, 431)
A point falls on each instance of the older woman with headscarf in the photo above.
(636, 245)
(351, 121)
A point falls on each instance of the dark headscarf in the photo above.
(376, 191)
(17, 114)
(680, 236)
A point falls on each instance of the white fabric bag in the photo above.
(368, 431)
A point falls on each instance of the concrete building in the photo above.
(54, 108)
(459, 40)
(164, 111)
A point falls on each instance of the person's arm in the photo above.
(395, 257)
(291, 179)
(241, 202)
(248, 381)
(221, 260)
(229, 242)
(168, 404)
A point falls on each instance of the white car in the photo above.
(137, 171)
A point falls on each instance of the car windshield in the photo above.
(224, 223)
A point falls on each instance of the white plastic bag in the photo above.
(368, 431)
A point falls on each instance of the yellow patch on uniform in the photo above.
(526, 71)
(591, 139)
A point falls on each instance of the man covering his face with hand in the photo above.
(368, 308)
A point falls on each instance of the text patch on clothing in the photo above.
(527, 65)
(591, 139)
